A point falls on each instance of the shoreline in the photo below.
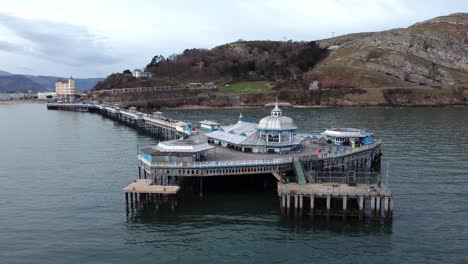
(199, 107)
(196, 107)
(10, 102)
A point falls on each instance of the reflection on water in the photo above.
(62, 175)
(255, 209)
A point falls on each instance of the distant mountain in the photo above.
(4, 73)
(48, 82)
(22, 82)
(18, 83)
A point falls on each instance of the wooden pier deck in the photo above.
(147, 186)
(146, 193)
(336, 199)
(333, 189)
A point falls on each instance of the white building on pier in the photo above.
(273, 134)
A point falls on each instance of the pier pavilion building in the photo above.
(176, 151)
(273, 134)
(208, 125)
(348, 136)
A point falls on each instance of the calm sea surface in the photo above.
(61, 175)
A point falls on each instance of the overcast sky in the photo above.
(91, 38)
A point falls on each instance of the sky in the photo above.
(91, 38)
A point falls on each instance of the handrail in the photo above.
(343, 152)
(255, 162)
(229, 163)
(343, 177)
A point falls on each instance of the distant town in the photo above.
(65, 91)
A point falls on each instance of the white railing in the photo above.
(344, 152)
(213, 164)
(160, 121)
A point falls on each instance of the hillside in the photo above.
(238, 61)
(432, 53)
(424, 64)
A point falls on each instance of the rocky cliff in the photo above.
(431, 53)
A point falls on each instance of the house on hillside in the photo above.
(137, 73)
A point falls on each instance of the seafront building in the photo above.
(46, 95)
(14, 96)
(208, 125)
(66, 90)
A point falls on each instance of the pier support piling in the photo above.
(312, 205)
(345, 205)
(385, 207)
(283, 204)
(288, 204)
(201, 187)
(361, 207)
(296, 205)
(377, 206)
(301, 198)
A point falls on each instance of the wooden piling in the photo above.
(312, 205)
(372, 206)
(361, 207)
(172, 203)
(201, 187)
(283, 204)
(377, 206)
(385, 207)
(295, 205)
(345, 205)
(301, 198)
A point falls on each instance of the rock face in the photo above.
(431, 53)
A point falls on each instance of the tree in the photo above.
(127, 72)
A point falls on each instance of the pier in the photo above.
(336, 174)
(155, 125)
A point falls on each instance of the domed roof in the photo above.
(276, 123)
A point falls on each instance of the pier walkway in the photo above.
(155, 125)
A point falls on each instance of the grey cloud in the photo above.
(7, 46)
(63, 43)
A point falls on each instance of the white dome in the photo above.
(276, 123)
